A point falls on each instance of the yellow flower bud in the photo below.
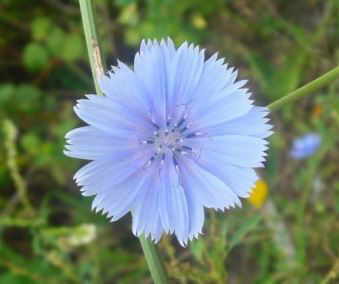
(259, 194)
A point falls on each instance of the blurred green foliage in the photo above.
(53, 237)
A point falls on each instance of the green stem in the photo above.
(307, 89)
(154, 261)
(87, 16)
(86, 8)
(10, 133)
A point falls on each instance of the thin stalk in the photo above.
(280, 233)
(10, 133)
(87, 14)
(154, 261)
(307, 89)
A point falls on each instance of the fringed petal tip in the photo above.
(183, 242)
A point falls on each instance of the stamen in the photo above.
(155, 125)
(180, 122)
(175, 162)
(187, 148)
(192, 135)
(150, 161)
(170, 138)
(183, 129)
(147, 142)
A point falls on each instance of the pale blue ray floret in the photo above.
(305, 146)
(174, 135)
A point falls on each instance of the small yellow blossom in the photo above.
(199, 22)
(259, 194)
(317, 111)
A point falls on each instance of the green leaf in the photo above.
(15, 279)
(6, 93)
(125, 2)
(262, 70)
(198, 248)
(27, 98)
(244, 229)
(35, 56)
(41, 28)
(73, 48)
(55, 41)
(288, 76)
(31, 143)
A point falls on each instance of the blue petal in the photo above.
(144, 210)
(121, 199)
(151, 65)
(216, 80)
(158, 230)
(209, 190)
(224, 109)
(172, 75)
(167, 181)
(239, 179)
(106, 174)
(177, 205)
(196, 212)
(172, 201)
(253, 123)
(184, 79)
(243, 151)
(103, 114)
(122, 85)
(90, 143)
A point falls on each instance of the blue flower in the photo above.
(172, 136)
(305, 146)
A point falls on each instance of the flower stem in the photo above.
(307, 89)
(10, 135)
(154, 261)
(87, 14)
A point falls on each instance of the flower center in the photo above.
(167, 139)
(170, 139)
